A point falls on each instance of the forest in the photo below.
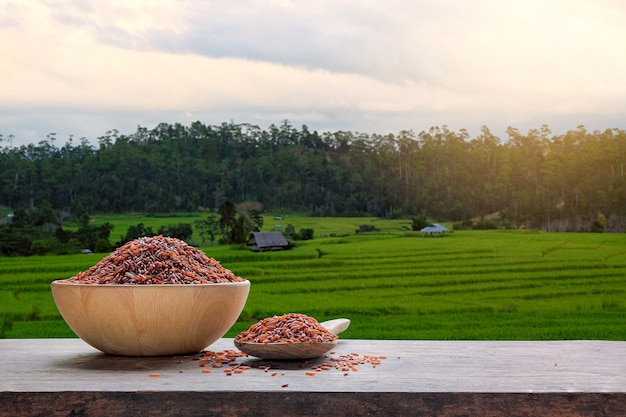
(570, 182)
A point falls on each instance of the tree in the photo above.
(89, 236)
(182, 231)
(242, 228)
(555, 182)
(290, 231)
(227, 222)
(135, 232)
(208, 228)
(257, 220)
(306, 234)
(419, 222)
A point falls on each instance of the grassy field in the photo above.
(323, 226)
(393, 284)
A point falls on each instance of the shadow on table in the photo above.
(104, 362)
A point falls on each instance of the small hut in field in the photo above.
(266, 241)
(434, 230)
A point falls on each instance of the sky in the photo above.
(81, 68)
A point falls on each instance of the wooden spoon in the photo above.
(298, 350)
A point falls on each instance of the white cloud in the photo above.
(351, 65)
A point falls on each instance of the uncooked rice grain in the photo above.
(288, 328)
(156, 260)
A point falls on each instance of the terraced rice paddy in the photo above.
(487, 285)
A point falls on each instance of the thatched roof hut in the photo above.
(264, 241)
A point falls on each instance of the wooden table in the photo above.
(66, 377)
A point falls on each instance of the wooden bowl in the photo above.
(150, 320)
(284, 350)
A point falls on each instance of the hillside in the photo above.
(570, 182)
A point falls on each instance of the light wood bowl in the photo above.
(150, 320)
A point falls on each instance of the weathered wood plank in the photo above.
(445, 378)
(284, 404)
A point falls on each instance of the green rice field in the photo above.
(392, 284)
